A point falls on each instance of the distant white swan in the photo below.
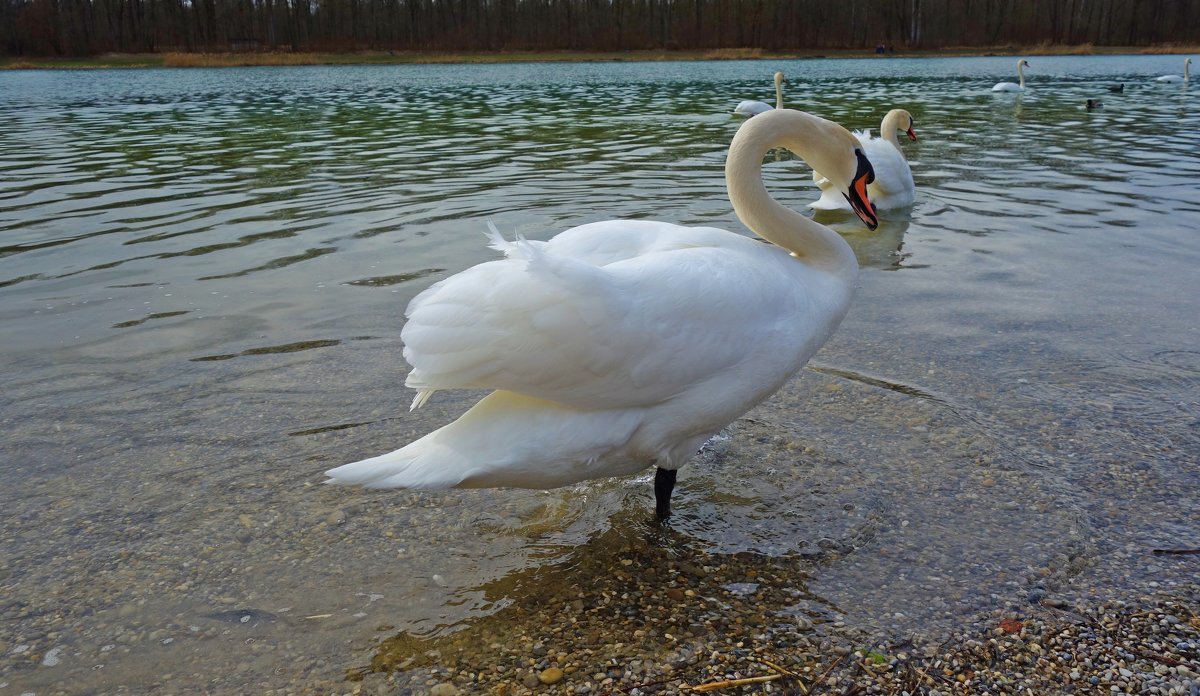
(1178, 78)
(624, 344)
(1013, 86)
(750, 107)
(893, 186)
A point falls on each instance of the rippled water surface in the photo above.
(202, 281)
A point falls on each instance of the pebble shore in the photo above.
(644, 632)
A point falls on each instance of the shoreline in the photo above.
(284, 58)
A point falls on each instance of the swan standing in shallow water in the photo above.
(1012, 86)
(1178, 78)
(893, 186)
(624, 344)
(750, 107)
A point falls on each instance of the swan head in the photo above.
(838, 155)
(1022, 63)
(778, 78)
(823, 145)
(904, 122)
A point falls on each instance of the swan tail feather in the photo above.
(417, 465)
(420, 399)
(496, 240)
(519, 248)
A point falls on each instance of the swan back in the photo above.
(750, 107)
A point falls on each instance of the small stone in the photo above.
(550, 675)
(51, 658)
(444, 689)
(531, 680)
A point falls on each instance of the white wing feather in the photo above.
(594, 320)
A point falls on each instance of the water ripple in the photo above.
(191, 263)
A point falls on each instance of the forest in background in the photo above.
(91, 27)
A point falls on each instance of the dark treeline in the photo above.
(86, 27)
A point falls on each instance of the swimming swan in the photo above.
(1177, 78)
(624, 344)
(893, 186)
(1012, 86)
(750, 107)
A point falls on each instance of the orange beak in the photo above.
(912, 134)
(859, 201)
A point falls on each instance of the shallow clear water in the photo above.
(202, 280)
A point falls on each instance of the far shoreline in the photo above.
(283, 58)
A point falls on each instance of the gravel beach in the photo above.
(690, 626)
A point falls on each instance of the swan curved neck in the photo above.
(812, 243)
(892, 122)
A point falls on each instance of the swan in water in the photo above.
(750, 107)
(893, 186)
(1177, 78)
(1012, 86)
(624, 344)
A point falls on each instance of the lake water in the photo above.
(202, 281)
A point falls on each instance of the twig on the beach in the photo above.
(1176, 552)
(1163, 659)
(883, 683)
(824, 674)
(924, 675)
(713, 686)
(776, 667)
(792, 675)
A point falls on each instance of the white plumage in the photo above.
(750, 107)
(1187, 64)
(893, 186)
(622, 344)
(1013, 86)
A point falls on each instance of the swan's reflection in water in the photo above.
(881, 248)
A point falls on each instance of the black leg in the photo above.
(664, 483)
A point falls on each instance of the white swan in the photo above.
(893, 186)
(749, 107)
(623, 344)
(1012, 86)
(1178, 78)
